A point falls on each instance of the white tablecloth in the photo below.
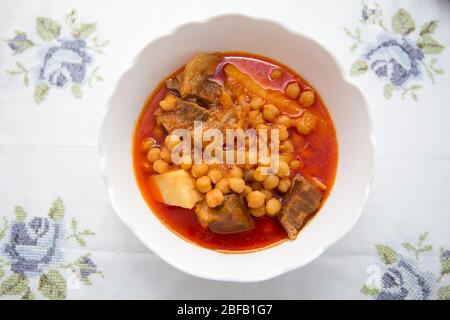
(59, 61)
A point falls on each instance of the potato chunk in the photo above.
(176, 188)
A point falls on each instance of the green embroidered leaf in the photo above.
(76, 91)
(20, 214)
(408, 246)
(47, 28)
(22, 44)
(358, 67)
(386, 254)
(80, 240)
(74, 225)
(402, 22)
(28, 295)
(426, 248)
(3, 229)
(53, 285)
(84, 30)
(429, 45)
(424, 235)
(370, 291)
(71, 18)
(445, 263)
(429, 27)
(86, 281)
(444, 293)
(387, 90)
(87, 233)
(56, 212)
(15, 284)
(13, 72)
(2, 272)
(40, 92)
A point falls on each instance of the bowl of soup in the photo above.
(236, 149)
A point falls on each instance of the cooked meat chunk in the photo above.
(230, 217)
(182, 116)
(194, 80)
(173, 84)
(222, 120)
(302, 199)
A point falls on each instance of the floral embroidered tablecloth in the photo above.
(59, 237)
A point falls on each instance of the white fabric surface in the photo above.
(50, 149)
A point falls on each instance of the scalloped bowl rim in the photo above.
(236, 277)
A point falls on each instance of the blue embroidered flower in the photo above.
(33, 246)
(67, 62)
(395, 61)
(404, 280)
(87, 267)
(445, 254)
(367, 12)
(19, 43)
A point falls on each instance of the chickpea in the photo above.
(287, 157)
(166, 155)
(186, 162)
(171, 141)
(153, 154)
(284, 185)
(236, 184)
(283, 119)
(283, 133)
(256, 103)
(237, 172)
(248, 175)
(168, 103)
(258, 174)
(307, 98)
(214, 198)
(287, 146)
(292, 90)
(199, 170)
(273, 207)
(283, 169)
(276, 73)
(161, 166)
(147, 144)
(271, 182)
(306, 123)
(215, 175)
(246, 191)
(223, 186)
(270, 112)
(267, 194)
(264, 161)
(261, 126)
(203, 184)
(258, 212)
(295, 164)
(255, 117)
(255, 199)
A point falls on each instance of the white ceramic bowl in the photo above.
(345, 102)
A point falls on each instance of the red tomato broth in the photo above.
(318, 152)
